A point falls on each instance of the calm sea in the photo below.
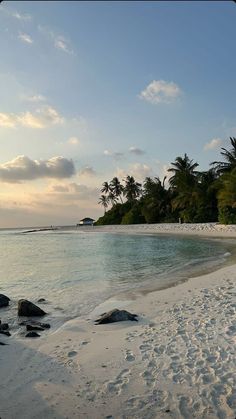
(77, 269)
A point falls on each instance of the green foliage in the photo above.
(192, 195)
(133, 216)
(227, 215)
(114, 215)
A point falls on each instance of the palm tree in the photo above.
(104, 201)
(184, 185)
(227, 192)
(155, 200)
(105, 188)
(230, 157)
(112, 198)
(184, 170)
(132, 189)
(117, 188)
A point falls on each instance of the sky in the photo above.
(93, 90)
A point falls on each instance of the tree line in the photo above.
(191, 195)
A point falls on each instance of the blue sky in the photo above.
(90, 90)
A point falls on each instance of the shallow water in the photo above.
(75, 270)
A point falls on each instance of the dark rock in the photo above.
(2, 343)
(34, 327)
(45, 325)
(4, 326)
(32, 335)
(41, 300)
(4, 300)
(28, 309)
(35, 323)
(3, 332)
(116, 316)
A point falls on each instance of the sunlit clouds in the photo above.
(160, 91)
(139, 170)
(87, 171)
(213, 144)
(74, 141)
(41, 118)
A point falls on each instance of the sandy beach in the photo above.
(177, 361)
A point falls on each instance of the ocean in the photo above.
(75, 270)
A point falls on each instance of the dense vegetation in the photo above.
(191, 195)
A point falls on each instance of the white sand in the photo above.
(177, 361)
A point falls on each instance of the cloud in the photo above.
(7, 120)
(74, 191)
(87, 171)
(15, 14)
(116, 155)
(136, 150)
(139, 170)
(73, 141)
(59, 41)
(213, 144)
(21, 16)
(61, 202)
(35, 98)
(160, 91)
(23, 168)
(42, 118)
(24, 37)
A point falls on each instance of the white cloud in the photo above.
(213, 144)
(21, 16)
(15, 14)
(73, 141)
(27, 119)
(136, 150)
(7, 120)
(59, 41)
(23, 168)
(24, 37)
(74, 191)
(35, 98)
(160, 91)
(49, 115)
(138, 170)
(42, 118)
(115, 154)
(87, 171)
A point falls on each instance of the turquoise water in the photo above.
(75, 270)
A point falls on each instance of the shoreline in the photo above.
(177, 361)
(215, 230)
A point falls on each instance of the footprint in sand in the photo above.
(148, 378)
(72, 353)
(129, 356)
(119, 383)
